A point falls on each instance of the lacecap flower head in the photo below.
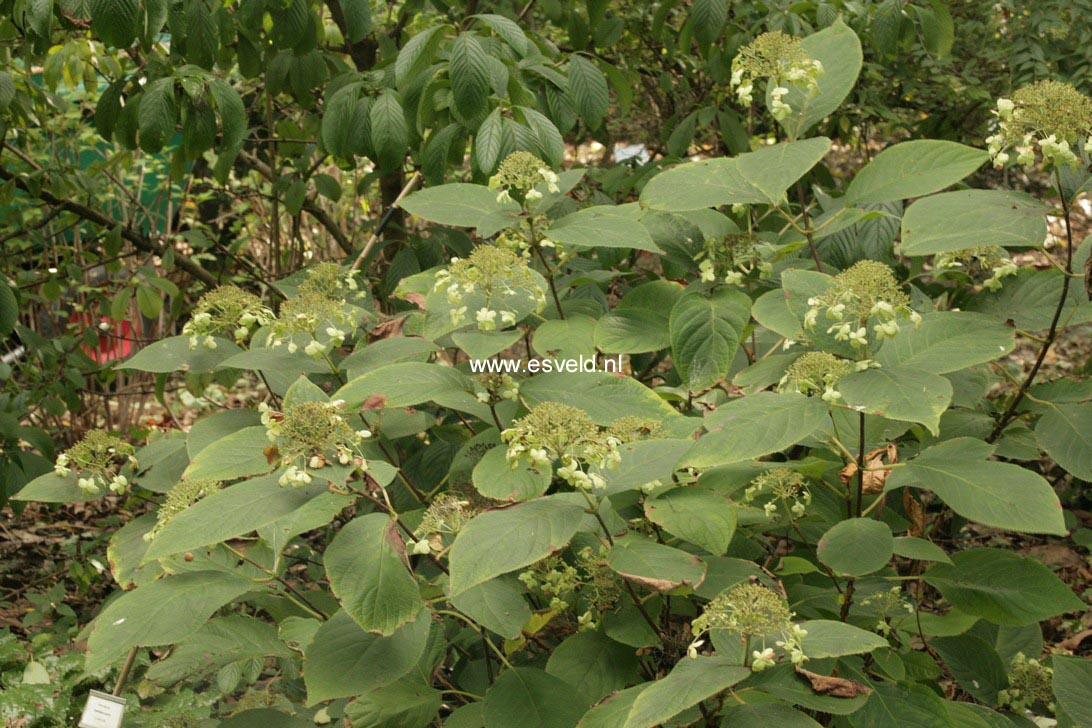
(1049, 116)
(227, 310)
(782, 60)
(756, 612)
(990, 264)
(499, 274)
(96, 459)
(178, 499)
(816, 373)
(780, 487)
(309, 435)
(519, 174)
(866, 292)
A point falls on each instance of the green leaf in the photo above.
(654, 565)
(416, 55)
(469, 73)
(405, 384)
(344, 660)
(162, 612)
(902, 706)
(52, 488)
(771, 714)
(115, 22)
(708, 18)
(458, 204)
(974, 664)
(995, 494)
(370, 575)
(158, 114)
(705, 331)
(588, 91)
(899, 393)
(1002, 587)
(1072, 676)
(1065, 433)
(761, 177)
(219, 642)
(827, 638)
(346, 122)
(937, 28)
(358, 19)
(913, 169)
(644, 461)
(703, 517)
(532, 698)
(690, 682)
(603, 226)
(237, 455)
(594, 664)
(640, 322)
(912, 547)
(488, 142)
(388, 130)
(229, 513)
(603, 395)
(507, 29)
(503, 540)
(758, 424)
(947, 341)
(495, 478)
(497, 605)
(9, 309)
(232, 126)
(971, 218)
(838, 48)
(173, 354)
(856, 546)
(409, 701)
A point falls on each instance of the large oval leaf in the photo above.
(856, 546)
(913, 169)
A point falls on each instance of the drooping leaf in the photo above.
(705, 332)
(603, 226)
(827, 638)
(899, 393)
(503, 540)
(970, 218)
(593, 663)
(1065, 432)
(702, 517)
(525, 696)
(1002, 587)
(369, 573)
(588, 91)
(690, 682)
(654, 565)
(497, 605)
(996, 494)
(947, 341)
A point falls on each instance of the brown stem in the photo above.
(807, 226)
(1052, 333)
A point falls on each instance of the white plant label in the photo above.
(102, 711)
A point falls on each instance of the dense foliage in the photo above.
(756, 449)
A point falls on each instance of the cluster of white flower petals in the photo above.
(780, 58)
(1050, 116)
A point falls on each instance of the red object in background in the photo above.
(114, 343)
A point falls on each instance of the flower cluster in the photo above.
(783, 487)
(309, 435)
(990, 262)
(732, 257)
(555, 431)
(817, 372)
(866, 291)
(1049, 115)
(1030, 683)
(321, 303)
(754, 611)
(560, 584)
(96, 459)
(445, 515)
(181, 497)
(519, 174)
(225, 310)
(496, 273)
(493, 387)
(887, 603)
(781, 58)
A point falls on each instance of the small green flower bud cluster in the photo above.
(225, 310)
(1030, 684)
(445, 516)
(555, 431)
(632, 428)
(492, 387)
(866, 291)
(96, 459)
(731, 257)
(1050, 115)
(989, 262)
(783, 486)
(816, 372)
(781, 59)
(497, 273)
(888, 603)
(554, 579)
(754, 611)
(181, 497)
(319, 309)
(519, 174)
(308, 435)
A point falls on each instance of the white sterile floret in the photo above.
(486, 318)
